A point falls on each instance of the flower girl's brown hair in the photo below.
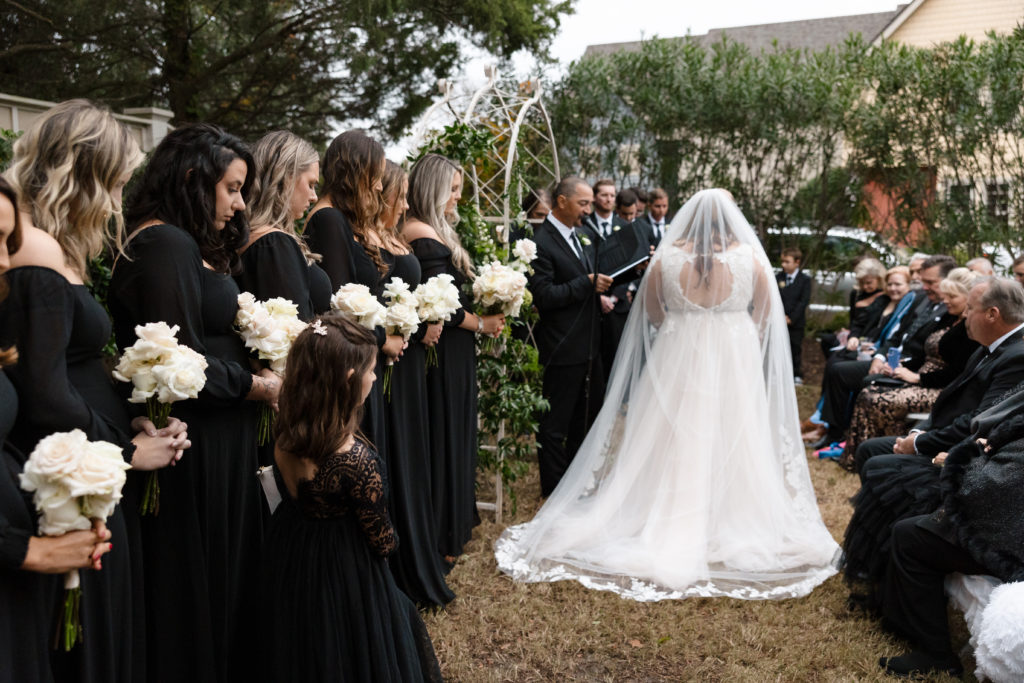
(320, 403)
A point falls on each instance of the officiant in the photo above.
(566, 287)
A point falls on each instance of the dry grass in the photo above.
(498, 630)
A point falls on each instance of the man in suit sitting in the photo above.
(795, 290)
(652, 224)
(994, 319)
(566, 289)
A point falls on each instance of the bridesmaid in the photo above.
(69, 171)
(331, 606)
(342, 227)
(416, 565)
(276, 262)
(187, 224)
(28, 597)
(435, 186)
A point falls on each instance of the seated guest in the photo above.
(978, 530)
(981, 266)
(994, 319)
(867, 300)
(842, 380)
(882, 408)
(914, 264)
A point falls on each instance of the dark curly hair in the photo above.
(10, 354)
(179, 187)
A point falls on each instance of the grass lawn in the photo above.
(497, 630)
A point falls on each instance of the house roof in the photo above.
(812, 34)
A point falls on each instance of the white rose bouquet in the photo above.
(73, 481)
(499, 288)
(400, 317)
(525, 252)
(268, 328)
(437, 299)
(161, 371)
(357, 303)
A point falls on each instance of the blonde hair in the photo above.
(430, 186)
(281, 157)
(870, 267)
(65, 168)
(394, 179)
(959, 281)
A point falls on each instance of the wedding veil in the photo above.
(693, 479)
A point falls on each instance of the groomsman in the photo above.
(566, 291)
(602, 218)
(653, 223)
(641, 199)
(626, 206)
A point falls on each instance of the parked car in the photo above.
(830, 261)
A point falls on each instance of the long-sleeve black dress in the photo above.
(416, 564)
(202, 549)
(274, 266)
(345, 260)
(332, 608)
(60, 331)
(27, 598)
(452, 397)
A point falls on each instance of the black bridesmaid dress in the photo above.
(416, 564)
(452, 397)
(345, 260)
(202, 549)
(27, 599)
(274, 266)
(332, 608)
(60, 331)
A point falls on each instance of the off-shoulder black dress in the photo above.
(28, 599)
(273, 266)
(345, 260)
(452, 397)
(332, 609)
(62, 383)
(416, 564)
(202, 549)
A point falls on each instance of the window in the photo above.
(997, 202)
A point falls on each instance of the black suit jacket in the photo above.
(795, 297)
(914, 330)
(643, 223)
(569, 326)
(982, 383)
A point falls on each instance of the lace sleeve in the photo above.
(357, 475)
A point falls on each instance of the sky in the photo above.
(613, 21)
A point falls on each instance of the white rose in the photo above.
(55, 456)
(178, 380)
(398, 291)
(281, 308)
(100, 472)
(143, 385)
(525, 250)
(59, 515)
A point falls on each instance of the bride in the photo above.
(693, 479)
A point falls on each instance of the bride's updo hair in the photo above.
(320, 404)
(707, 231)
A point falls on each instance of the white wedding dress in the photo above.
(693, 480)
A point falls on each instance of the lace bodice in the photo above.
(351, 484)
(738, 261)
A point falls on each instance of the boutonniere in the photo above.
(617, 228)
(782, 283)
(584, 240)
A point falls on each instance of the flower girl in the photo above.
(332, 609)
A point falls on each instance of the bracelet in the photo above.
(479, 324)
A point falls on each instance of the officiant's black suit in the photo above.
(568, 342)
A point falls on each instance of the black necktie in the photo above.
(577, 247)
(604, 228)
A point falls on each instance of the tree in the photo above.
(251, 65)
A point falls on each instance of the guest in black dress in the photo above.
(341, 227)
(867, 302)
(332, 609)
(276, 262)
(435, 186)
(28, 597)
(61, 377)
(187, 222)
(416, 565)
